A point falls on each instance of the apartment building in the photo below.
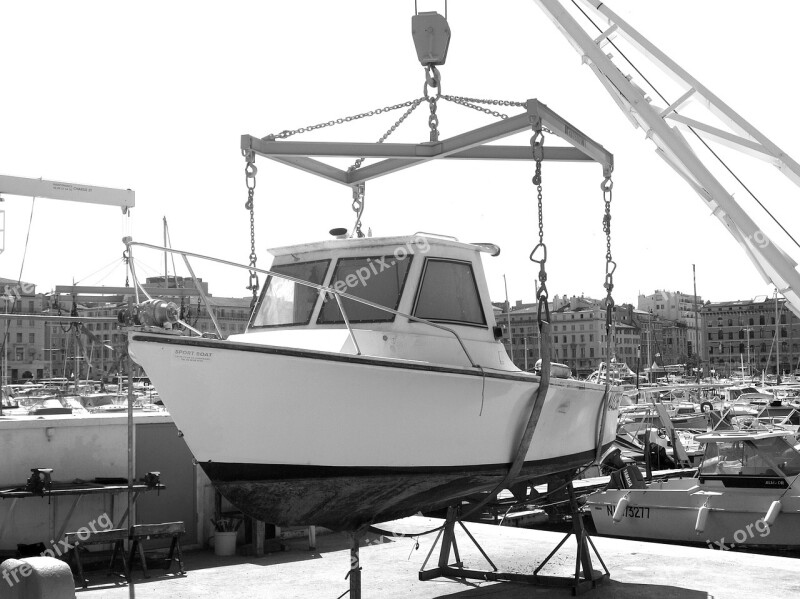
(757, 334)
(22, 355)
(95, 349)
(681, 308)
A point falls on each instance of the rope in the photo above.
(172, 255)
(27, 238)
(113, 264)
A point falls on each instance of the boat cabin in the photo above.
(733, 393)
(425, 277)
(758, 459)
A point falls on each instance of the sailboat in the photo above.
(369, 385)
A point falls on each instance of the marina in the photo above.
(372, 419)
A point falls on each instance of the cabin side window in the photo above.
(286, 303)
(722, 458)
(377, 279)
(766, 457)
(448, 293)
(758, 457)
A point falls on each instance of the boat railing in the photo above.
(338, 295)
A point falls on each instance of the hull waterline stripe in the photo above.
(334, 357)
(228, 472)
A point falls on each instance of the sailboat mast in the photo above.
(77, 368)
(696, 347)
(649, 343)
(777, 341)
(166, 279)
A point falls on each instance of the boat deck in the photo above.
(390, 569)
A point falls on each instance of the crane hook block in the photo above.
(431, 35)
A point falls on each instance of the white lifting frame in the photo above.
(774, 265)
(469, 145)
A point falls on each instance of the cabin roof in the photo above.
(741, 435)
(417, 242)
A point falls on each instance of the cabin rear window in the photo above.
(285, 302)
(378, 279)
(449, 293)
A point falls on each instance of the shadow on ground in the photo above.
(295, 550)
(609, 589)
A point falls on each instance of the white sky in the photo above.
(154, 96)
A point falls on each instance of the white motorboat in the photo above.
(746, 494)
(375, 389)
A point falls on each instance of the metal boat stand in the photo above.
(354, 573)
(584, 578)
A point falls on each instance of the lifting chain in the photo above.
(358, 189)
(537, 147)
(611, 266)
(250, 171)
(126, 260)
(433, 79)
(358, 208)
(472, 103)
(289, 132)
(412, 106)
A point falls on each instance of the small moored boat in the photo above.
(746, 494)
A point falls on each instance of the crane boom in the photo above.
(775, 266)
(74, 192)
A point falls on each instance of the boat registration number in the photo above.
(631, 511)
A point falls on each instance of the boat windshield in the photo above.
(736, 393)
(378, 279)
(285, 303)
(772, 456)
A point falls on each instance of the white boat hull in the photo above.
(668, 511)
(297, 436)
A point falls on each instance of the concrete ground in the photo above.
(391, 566)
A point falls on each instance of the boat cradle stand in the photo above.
(584, 578)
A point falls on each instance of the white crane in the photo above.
(59, 190)
(661, 125)
(56, 190)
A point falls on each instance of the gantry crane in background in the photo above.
(661, 125)
(57, 190)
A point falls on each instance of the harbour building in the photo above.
(24, 353)
(578, 327)
(35, 349)
(684, 309)
(755, 334)
(664, 346)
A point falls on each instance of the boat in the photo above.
(619, 373)
(684, 416)
(369, 385)
(745, 494)
(49, 407)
